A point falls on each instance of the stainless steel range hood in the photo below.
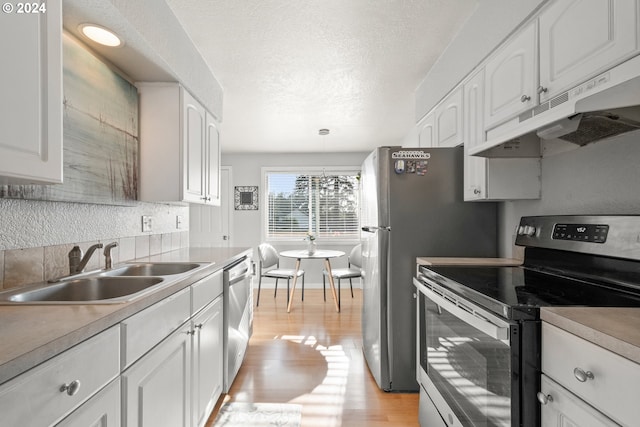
(600, 108)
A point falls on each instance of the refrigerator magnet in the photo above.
(421, 167)
(399, 166)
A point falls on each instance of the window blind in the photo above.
(325, 205)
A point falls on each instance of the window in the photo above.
(317, 201)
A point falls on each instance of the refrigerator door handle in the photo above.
(373, 229)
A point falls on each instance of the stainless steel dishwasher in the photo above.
(237, 317)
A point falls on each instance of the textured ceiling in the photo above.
(291, 67)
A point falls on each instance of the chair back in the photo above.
(268, 255)
(355, 256)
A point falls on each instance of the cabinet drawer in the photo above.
(613, 388)
(565, 409)
(147, 328)
(35, 398)
(206, 290)
(102, 410)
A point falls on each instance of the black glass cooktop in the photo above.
(519, 292)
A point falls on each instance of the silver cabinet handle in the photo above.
(476, 191)
(72, 388)
(544, 398)
(190, 332)
(582, 376)
(541, 89)
(525, 98)
(199, 325)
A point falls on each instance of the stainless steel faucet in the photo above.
(107, 255)
(77, 262)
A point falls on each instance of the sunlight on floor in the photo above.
(323, 406)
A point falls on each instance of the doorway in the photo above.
(211, 225)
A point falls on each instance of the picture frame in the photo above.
(246, 198)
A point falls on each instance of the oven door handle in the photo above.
(467, 315)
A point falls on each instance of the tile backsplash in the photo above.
(20, 267)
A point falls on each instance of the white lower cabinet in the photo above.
(157, 388)
(182, 374)
(564, 409)
(584, 384)
(161, 367)
(207, 361)
(49, 392)
(102, 410)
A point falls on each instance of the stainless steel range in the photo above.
(479, 327)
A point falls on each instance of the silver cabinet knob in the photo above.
(542, 89)
(199, 326)
(544, 398)
(582, 376)
(525, 98)
(190, 332)
(476, 191)
(72, 388)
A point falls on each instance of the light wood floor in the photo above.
(313, 357)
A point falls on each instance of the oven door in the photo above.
(467, 364)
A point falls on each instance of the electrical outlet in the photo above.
(178, 222)
(146, 223)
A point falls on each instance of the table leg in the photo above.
(332, 285)
(293, 287)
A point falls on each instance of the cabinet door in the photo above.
(157, 389)
(194, 149)
(207, 361)
(426, 139)
(31, 88)
(510, 79)
(102, 410)
(448, 117)
(50, 391)
(564, 409)
(212, 166)
(475, 178)
(580, 38)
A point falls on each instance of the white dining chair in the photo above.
(353, 271)
(270, 267)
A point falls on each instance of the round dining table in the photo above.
(324, 254)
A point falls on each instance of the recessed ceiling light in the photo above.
(100, 35)
(323, 132)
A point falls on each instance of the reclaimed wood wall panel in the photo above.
(100, 135)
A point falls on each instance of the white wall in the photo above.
(599, 178)
(247, 224)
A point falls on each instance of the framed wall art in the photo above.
(246, 198)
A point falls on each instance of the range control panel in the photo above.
(594, 233)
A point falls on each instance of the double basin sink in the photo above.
(118, 285)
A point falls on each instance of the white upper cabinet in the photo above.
(179, 147)
(448, 120)
(426, 138)
(492, 179)
(31, 88)
(442, 127)
(212, 155)
(194, 145)
(510, 78)
(581, 38)
(474, 167)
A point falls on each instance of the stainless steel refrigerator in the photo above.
(411, 205)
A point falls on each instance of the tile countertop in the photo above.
(616, 329)
(31, 334)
